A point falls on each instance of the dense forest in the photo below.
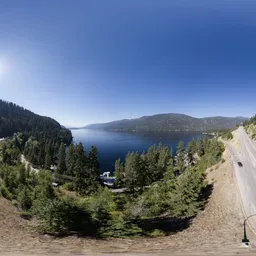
(41, 136)
(159, 193)
(14, 118)
(171, 122)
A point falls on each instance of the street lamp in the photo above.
(245, 240)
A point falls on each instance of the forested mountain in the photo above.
(170, 122)
(14, 118)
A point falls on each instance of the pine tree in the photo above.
(119, 173)
(48, 161)
(70, 160)
(188, 189)
(80, 170)
(200, 147)
(180, 157)
(191, 150)
(163, 161)
(152, 160)
(132, 170)
(94, 169)
(4, 153)
(61, 166)
(22, 175)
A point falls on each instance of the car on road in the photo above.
(240, 164)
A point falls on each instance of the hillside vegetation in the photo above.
(250, 127)
(38, 137)
(14, 118)
(171, 122)
(162, 192)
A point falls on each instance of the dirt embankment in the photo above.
(217, 229)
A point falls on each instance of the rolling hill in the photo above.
(14, 118)
(170, 122)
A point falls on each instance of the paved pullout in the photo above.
(246, 175)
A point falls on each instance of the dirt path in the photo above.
(27, 164)
(218, 230)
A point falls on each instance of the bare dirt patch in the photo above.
(217, 229)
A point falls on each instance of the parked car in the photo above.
(240, 164)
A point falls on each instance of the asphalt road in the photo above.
(246, 175)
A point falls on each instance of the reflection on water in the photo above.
(112, 145)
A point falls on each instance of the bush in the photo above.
(26, 215)
(101, 204)
(5, 192)
(25, 198)
(64, 215)
(227, 135)
(15, 203)
(223, 160)
(68, 186)
(156, 233)
(118, 226)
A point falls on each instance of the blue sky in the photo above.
(90, 61)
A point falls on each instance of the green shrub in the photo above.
(118, 226)
(15, 203)
(223, 160)
(227, 135)
(68, 186)
(5, 192)
(26, 215)
(100, 205)
(156, 233)
(25, 198)
(64, 215)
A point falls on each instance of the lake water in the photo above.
(112, 145)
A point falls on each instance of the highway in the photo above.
(246, 175)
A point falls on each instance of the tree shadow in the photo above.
(205, 195)
(170, 225)
(166, 225)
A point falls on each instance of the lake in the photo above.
(112, 145)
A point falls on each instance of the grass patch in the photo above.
(156, 233)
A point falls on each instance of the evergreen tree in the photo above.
(70, 160)
(200, 147)
(93, 179)
(4, 153)
(152, 160)
(119, 173)
(163, 161)
(191, 150)
(180, 157)
(80, 170)
(48, 161)
(61, 166)
(22, 175)
(25, 198)
(132, 171)
(187, 192)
